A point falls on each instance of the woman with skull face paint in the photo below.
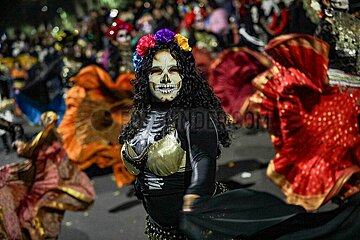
(172, 140)
(119, 61)
(171, 144)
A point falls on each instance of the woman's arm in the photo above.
(5, 125)
(202, 146)
(16, 130)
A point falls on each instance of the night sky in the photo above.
(17, 13)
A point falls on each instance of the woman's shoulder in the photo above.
(197, 118)
(198, 114)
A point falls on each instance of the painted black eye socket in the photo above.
(174, 70)
(155, 71)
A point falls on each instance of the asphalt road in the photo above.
(116, 215)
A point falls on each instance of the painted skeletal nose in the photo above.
(165, 79)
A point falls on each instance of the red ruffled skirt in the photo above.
(314, 127)
(230, 76)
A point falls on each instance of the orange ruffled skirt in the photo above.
(96, 109)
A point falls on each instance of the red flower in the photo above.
(144, 44)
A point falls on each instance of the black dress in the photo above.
(167, 168)
(248, 214)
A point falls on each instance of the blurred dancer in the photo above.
(96, 108)
(234, 86)
(120, 54)
(314, 126)
(36, 193)
(6, 112)
(315, 132)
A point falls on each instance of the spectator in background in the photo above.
(162, 19)
(217, 20)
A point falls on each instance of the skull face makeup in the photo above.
(164, 79)
(123, 36)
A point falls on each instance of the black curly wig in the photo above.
(195, 93)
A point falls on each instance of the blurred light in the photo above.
(33, 32)
(63, 15)
(56, 29)
(44, 8)
(146, 5)
(68, 224)
(3, 37)
(76, 31)
(113, 13)
(59, 10)
(246, 175)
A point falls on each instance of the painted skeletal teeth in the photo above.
(165, 87)
(166, 91)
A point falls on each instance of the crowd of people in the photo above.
(208, 24)
(170, 77)
(36, 70)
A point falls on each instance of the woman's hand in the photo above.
(20, 145)
(188, 201)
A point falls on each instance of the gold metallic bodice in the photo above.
(163, 157)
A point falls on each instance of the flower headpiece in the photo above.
(163, 36)
(116, 26)
(198, 14)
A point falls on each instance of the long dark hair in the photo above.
(195, 93)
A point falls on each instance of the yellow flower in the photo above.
(182, 42)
